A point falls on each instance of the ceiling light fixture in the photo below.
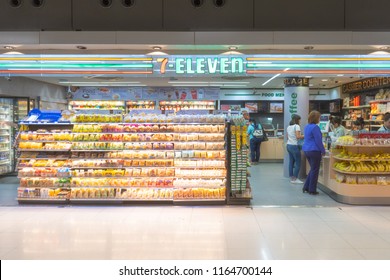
(324, 80)
(340, 75)
(157, 48)
(233, 48)
(269, 80)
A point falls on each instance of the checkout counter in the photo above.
(272, 150)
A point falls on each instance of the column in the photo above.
(296, 101)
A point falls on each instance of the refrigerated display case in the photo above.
(12, 109)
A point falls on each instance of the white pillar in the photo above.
(296, 101)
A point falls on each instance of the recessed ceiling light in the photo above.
(233, 48)
(308, 47)
(81, 47)
(340, 75)
(9, 47)
(324, 80)
(310, 85)
(157, 48)
(308, 77)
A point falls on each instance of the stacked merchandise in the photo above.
(362, 161)
(148, 157)
(44, 166)
(239, 159)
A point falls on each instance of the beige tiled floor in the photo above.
(169, 232)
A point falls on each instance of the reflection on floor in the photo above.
(299, 226)
(270, 188)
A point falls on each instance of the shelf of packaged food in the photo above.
(4, 150)
(345, 185)
(362, 173)
(2, 162)
(361, 159)
(356, 107)
(6, 142)
(43, 158)
(199, 200)
(379, 101)
(4, 134)
(43, 177)
(44, 123)
(363, 146)
(103, 109)
(101, 167)
(44, 141)
(123, 187)
(73, 150)
(200, 177)
(36, 199)
(41, 150)
(201, 167)
(119, 177)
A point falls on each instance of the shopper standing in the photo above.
(359, 125)
(314, 149)
(254, 142)
(293, 149)
(338, 129)
(386, 125)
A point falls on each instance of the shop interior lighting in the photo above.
(269, 80)
(157, 48)
(9, 47)
(233, 48)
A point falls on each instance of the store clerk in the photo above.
(386, 125)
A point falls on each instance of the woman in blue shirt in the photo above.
(314, 150)
(254, 142)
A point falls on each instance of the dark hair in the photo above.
(359, 122)
(295, 119)
(386, 117)
(336, 120)
(314, 117)
(253, 121)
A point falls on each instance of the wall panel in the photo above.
(234, 15)
(90, 15)
(299, 15)
(367, 15)
(52, 15)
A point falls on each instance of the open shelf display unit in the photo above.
(168, 162)
(370, 106)
(360, 171)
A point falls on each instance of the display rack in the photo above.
(140, 104)
(179, 105)
(96, 105)
(359, 171)
(239, 186)
(168, 161)
(43, 163)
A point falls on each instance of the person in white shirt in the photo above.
(386, 125)
(294, 151)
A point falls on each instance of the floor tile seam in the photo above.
(346, 240)
(354, 249)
